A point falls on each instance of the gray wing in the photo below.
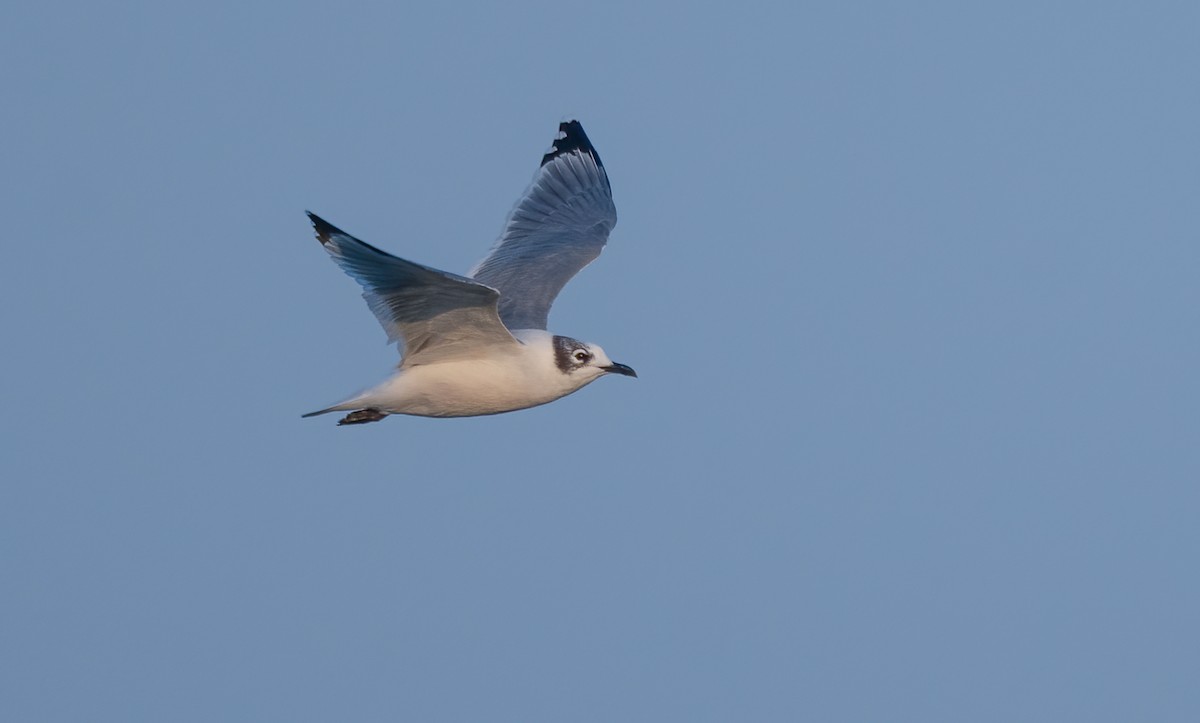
(559, 226)
(433, 314)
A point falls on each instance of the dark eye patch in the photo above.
(565, 349)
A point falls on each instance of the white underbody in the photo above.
(508, 378)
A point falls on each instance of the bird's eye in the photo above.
(581, 356)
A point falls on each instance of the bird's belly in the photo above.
(464, 389)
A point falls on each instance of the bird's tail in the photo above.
(359, 414)
(349, 404)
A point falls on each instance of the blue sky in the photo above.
(911, 291)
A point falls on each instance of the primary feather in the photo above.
(559, 225)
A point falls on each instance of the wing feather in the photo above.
(559, 225)
(433, 315)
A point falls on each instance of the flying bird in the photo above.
(477, 344)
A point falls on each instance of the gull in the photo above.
(477, 344)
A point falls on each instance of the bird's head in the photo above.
(585, 362)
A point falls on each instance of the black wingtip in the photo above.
(323, 228)
(571, 139)
(327, 231)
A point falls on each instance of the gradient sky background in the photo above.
(912, 290)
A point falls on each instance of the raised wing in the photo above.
(433, 315)
(559, 226)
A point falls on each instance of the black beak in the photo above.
(616, 368)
